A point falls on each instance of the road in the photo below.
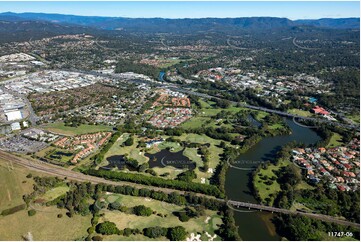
(233, 46)
(286, 211)
(175, 87)
(58, 171)
(285, 114)
(302, 47)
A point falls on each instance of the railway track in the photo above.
(54, 170)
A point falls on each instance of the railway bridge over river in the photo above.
(40, 166)
(259, 207)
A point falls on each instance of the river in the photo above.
(255, 225)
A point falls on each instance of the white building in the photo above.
(15, 126)
(13, 115)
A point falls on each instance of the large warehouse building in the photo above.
(12, 115)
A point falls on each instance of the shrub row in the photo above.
(156, 181)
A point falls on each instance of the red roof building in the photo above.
(320, 110)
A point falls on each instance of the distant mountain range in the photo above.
(23, 26)
(174, 25)
(13, 28)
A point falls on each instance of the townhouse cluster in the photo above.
(83, 145)
(175, 109)
(171, 98)
(170, 117)
(339, 167)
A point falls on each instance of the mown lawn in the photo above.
(276, 126)
(132, 237)
(122, 220)
(299, 112)
(197, 122)
(197, 138)
(263, 189)
(60, 128)
(336, 140)
(260, 115)
(132, 151)
(214, 150)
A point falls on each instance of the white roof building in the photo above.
(13, 115)
(15, 126)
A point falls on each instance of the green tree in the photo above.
(177, 233)
(31, 212)
(155, 232)
(142, 210)
(107, 228)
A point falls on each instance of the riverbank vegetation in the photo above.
(302, 228)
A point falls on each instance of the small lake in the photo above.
(117, 161)
(167, 158)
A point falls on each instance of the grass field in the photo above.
(173, 146)
(13, 185)
(214, 150)
(265, 190)
(355, 118)
(60, 128)
(208, 109)
(44, 225)
(122, 220)
(54, 193)
(137, 237)
(197, 138)
(299, 112)
(169, 62)
(336, 140)
(260, 115)
(276, 126)
(132, 151)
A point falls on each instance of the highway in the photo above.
(175, 87)
(40, 166)
(285, 114)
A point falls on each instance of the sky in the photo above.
(189, 9)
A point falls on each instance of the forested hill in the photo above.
(160, 25)
(17, 29)
(341, 23)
